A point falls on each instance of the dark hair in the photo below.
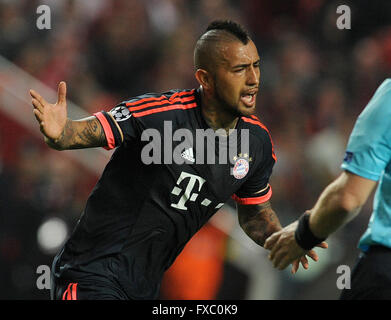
(232, 27)
(206, 48)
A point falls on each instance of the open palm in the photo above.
(51, 117)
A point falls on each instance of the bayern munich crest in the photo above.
(120, 113)
(242, 165)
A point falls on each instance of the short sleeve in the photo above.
(119, 125)
(256, 189)
(127, 120)
(369, 147)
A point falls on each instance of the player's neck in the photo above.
(215, 117)
(215, 120)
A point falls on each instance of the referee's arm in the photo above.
(339, 203)
(62, 133)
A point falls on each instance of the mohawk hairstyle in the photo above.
(206, 51)
(232, 27)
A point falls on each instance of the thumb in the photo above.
(62, 91)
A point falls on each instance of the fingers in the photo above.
(275, 254)
(39, 102)
(37, 105)
(312, 254)
(282, 260)
(277, 261)
(323, 245)
(61, 92)
(269, 243)
(38, 115)
(273, 251)
(304, 262)
(295, 266)
(38, 97)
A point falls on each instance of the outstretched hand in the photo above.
(51, 117)
(285, 250)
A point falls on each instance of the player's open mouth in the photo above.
(248, 99)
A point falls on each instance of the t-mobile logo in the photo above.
(187, 195)
(194, 182)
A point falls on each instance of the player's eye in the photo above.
(238, 70)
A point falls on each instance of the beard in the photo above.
(233, 109)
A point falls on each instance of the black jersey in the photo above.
(145, 208)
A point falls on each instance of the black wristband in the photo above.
(304, 236)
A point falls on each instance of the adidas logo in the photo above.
(188, 155)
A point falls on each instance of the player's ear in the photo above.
(204, 78)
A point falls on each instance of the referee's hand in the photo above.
(51, 117)
(285, 250)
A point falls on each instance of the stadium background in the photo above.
(315, 81)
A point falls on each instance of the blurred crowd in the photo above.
(315, 80)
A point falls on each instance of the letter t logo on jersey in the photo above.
(187, 195)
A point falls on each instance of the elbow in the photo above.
(352, 191)
(344, 195)
(349, 202)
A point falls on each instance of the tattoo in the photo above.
(85, 133)
(91, 135)
(68, 130)
(258, 221)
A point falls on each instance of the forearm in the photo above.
(259, 222)
(334, 208)
(77, 134)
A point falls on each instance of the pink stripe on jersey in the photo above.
(151, 104)
(253, 200)
(167, 108)
(107, 129)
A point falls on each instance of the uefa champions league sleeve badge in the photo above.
(120, 113)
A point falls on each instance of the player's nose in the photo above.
(252, 76)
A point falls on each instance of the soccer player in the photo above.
(139, 216)
(367, 162)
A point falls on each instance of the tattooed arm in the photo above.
(62, 133)
(78, 134)
(258, 221)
